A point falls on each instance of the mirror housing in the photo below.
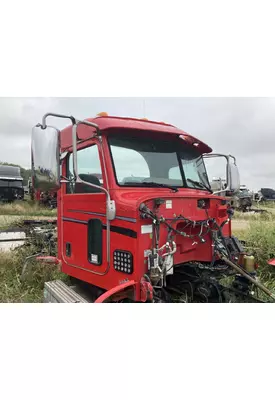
(45, 158)
(232, 175)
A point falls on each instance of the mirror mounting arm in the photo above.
(44, 125)
(111, 208)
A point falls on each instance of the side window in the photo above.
(89, 169)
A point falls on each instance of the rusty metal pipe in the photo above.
(248, 277)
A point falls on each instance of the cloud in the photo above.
(243, 127)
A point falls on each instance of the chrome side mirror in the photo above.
(231, 183)
(233, 176)
(45, 158)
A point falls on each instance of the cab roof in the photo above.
(108, 123)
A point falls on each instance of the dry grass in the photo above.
(7, 221)
(25, 208)
(14, 213)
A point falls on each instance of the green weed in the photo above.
(30, 290)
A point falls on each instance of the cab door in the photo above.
(83, 212)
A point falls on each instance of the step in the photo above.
(58, 292)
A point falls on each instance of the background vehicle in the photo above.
(151, 229)
(244, 199)
(266, 194)
(11, 184)
(240, 200)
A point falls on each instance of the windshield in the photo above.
(141, 161)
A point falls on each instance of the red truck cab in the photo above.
(135, 207)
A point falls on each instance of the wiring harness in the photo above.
(199, 279)
(206, 226)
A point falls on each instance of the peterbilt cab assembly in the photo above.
(150, 229)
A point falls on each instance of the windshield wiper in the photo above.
(200, 184)
(163, 185)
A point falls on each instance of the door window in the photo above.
(89, 170)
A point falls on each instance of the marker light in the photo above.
(102, 114)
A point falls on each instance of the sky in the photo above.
(243, 127)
